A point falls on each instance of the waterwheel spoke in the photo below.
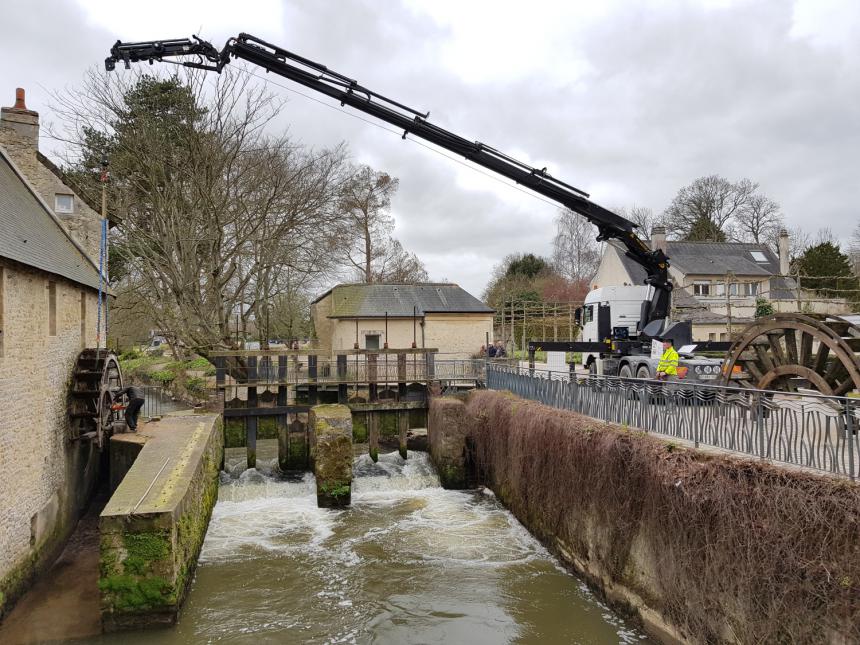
(775, 339)
(791, 346)
(764, 361)
(821, 358)
(806, 349)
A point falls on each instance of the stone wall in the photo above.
(702, 548)
(153, 527)
(46, 479)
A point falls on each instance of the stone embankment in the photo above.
(154, 524)
(702, 548)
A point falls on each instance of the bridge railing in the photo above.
(807, 430)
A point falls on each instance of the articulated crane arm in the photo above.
(348, 92)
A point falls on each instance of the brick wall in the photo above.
(46, 479)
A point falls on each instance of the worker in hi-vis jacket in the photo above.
(668, 365)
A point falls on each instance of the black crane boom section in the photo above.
(349, 92)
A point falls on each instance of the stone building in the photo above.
(49, 283)
(443, 316)
(19, 136)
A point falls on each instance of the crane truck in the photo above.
(612, 348)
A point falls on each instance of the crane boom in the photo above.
(413, 122)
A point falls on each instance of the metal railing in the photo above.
(153, 397)
(808, 430)
(300, 370)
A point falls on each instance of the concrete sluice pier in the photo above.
(153, 526)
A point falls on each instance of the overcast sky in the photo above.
(626, 100)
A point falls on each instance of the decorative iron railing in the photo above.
(808, 430)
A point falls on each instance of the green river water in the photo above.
(409, 562)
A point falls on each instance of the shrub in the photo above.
(164, 377)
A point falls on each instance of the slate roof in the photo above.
(374, 300)
(30, 234)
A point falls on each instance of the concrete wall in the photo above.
(153, 527)
(702, 547)
(46, 479)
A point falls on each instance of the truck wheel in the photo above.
(626, 371)
(643, 372)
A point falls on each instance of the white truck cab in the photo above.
(615, 312)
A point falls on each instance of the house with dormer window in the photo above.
(717, 283)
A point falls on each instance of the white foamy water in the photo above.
(408, 562)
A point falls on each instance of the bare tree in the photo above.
(576, 253)
(798, 241)
(365, 200)
(854, 249)
(213, 213)
(759, 220)
(643, 217)
(705, 208)
(398, 266)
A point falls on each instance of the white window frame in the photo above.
(63, 209)
(758, 256)
(697, 288)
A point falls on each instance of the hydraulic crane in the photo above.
(654, 315)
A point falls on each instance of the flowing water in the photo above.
(409, 562)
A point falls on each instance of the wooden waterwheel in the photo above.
(787, 351)
(96, 377)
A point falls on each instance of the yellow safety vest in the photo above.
(668, 362)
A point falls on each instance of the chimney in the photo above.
(22, 122)
(658, 238)
(783, 252)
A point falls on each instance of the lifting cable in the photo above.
(103, 261)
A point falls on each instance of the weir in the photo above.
(268, 394)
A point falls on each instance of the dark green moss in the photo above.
(130, 593)
(267, 428)
(336, 488)
(451, 477)
(234, 433)
(146, 547)
(359, 427)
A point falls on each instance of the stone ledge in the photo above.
(153, 526)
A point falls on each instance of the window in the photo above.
(724, 336)
(83, 319)
(64, 203)
(758, 256)
(712, 336)
(701, 288)
(589, 313)
(371, 341)
(52, 308)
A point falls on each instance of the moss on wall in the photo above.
(146, 562)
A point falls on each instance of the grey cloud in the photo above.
(669, 94)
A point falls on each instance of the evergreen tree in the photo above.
(705, 230)
(825, 269)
